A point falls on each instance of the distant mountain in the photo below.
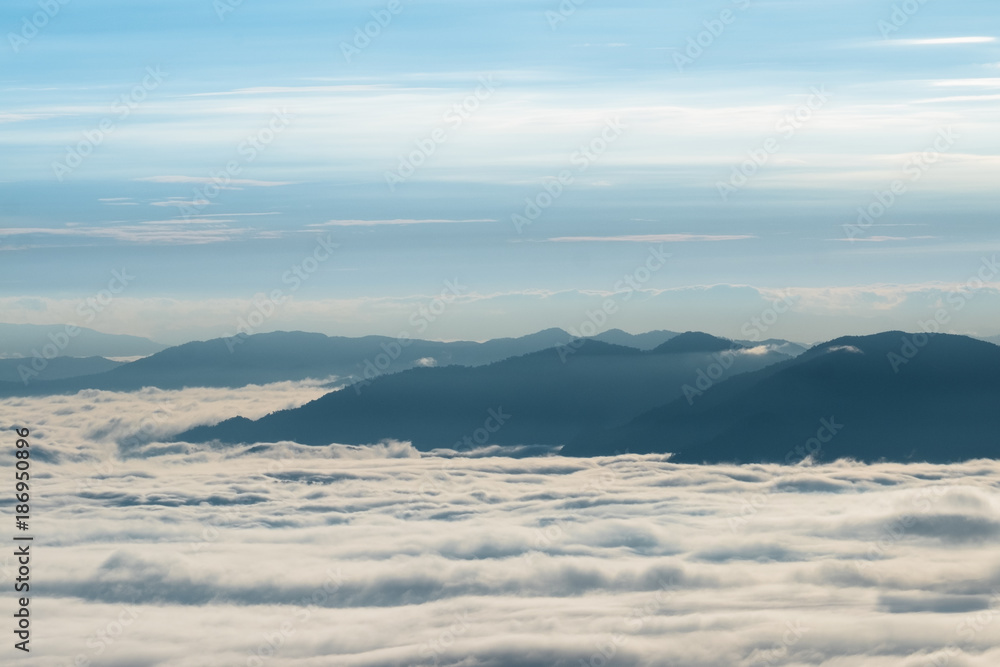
(550, 397)
(696, 342)
(893, 396)
(31, 370)
(992, 339)
(25, 340)
(778, 345)
(643, 341)
(280, 356)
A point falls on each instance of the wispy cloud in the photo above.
(651, 238)
(272, 90)
(181, 202)
(208, 179)
(975, 83)
(397, 221)
(194, 231)
(883, 239)
(943, 41)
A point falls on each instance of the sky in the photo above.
(826, 168)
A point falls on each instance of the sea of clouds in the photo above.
(149, 552)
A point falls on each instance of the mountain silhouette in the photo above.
(280, 356)
(695, 341)
(890, 396)
(27, 340)
(58, 368)
(643, 341)
(551, 397)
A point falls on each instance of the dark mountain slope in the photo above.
(548, 400)
(280, 356)
(940, 405)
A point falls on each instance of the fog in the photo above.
(149, 552)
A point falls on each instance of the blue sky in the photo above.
(826, 105)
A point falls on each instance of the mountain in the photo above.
(25, 340)
(281, 356)
(893, 396)
(544, 398)
(778, 345)
(58, 368)
(643, 341)
(696, 342)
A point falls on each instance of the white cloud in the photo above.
(180, 203)
(943, 41)
(881, 239)
(970, 83)
(650, 238)
(208, 179)
(397, 221)
(306, 556)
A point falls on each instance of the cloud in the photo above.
(881, 239)
(208, 179)
(973, 83)
(814, 313)
(181, 231)
(942, 41)
(845, 348)
(649, 238)
(384, 556)
(398, 221)
(181, 203)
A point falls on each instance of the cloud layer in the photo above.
(183, 555)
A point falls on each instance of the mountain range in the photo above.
(700, 398)
(271, 357)
(893, 396)
(889, 396)
(19, 341)
(548, 397)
